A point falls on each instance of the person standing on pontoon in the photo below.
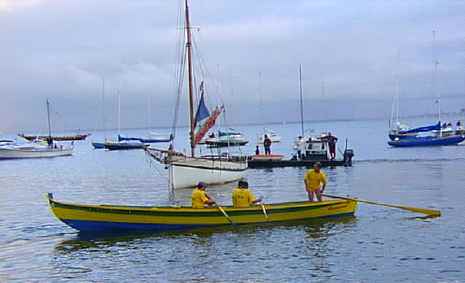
(300, 147)
(332, 145)
(267, 145)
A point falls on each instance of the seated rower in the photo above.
(200, 199)
(242, 197)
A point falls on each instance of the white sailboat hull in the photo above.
(16, 153)
(187, 173)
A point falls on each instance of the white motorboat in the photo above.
(312, 148)
(272, 135)
(226, 138)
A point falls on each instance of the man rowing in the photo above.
(242, 197)
(200, 199)
(315, 182)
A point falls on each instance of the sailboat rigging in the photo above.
(302, 132)
(101, 145)
(439, 134)
(187, 170)
(36, 149)
(122, 144)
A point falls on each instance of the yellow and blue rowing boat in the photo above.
(105, 218)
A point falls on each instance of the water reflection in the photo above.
(316, 229)
(322, 229)
(352, 251)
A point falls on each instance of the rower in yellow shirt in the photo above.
(315, 182)
(200, 199)
(242, 197)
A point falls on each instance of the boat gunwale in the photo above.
(183, 211)
(35, 150)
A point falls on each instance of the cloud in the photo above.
(62, 49)
(11, 5)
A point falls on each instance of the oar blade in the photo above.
(225, 215)
(430, 212)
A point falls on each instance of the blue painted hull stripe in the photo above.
(426, 142)
(101, 226)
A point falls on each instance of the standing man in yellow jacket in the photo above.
(200, 199)
(315, 182)
(242, 197)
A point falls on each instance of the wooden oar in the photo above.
(429, 212)
(264, 210)
(225, 214)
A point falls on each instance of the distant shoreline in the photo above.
(461, 115)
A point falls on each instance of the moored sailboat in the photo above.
(34, 151)
(40, 149)
(184, 170)
(120, 144)
(149, 139)
(439, 135)
(76, 137)
(101, 144)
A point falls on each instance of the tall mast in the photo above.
(119, 112)
(398, 87)
(435, 63)
(301, 102)
(48, 118)
(191, 90)
(149, 110)
(397, 99)
(103, 108)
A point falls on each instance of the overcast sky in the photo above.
(61, 49)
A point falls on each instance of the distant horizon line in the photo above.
(88, 130)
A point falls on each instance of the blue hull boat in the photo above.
(98, 145)
(124, 145)
(142, 140)
(427, 141)
(394, 137)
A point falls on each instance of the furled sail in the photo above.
(204, 121)
(208, 124)
(202, 110)
(435, 127)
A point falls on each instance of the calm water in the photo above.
(378, 245)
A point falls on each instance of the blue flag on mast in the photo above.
(202, 110)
